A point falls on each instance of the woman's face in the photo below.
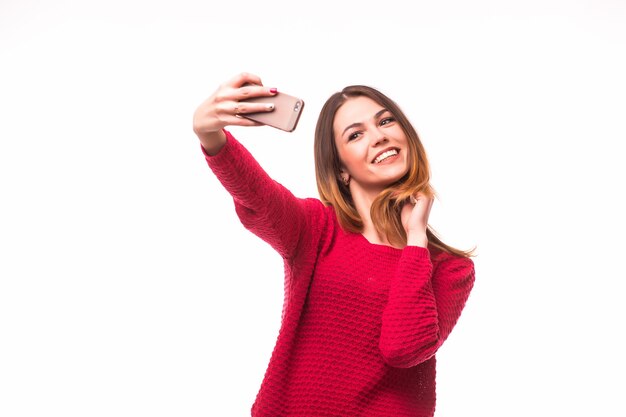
(372, 146)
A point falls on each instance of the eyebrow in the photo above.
(377, 115)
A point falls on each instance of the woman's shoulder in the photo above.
(440, 256)
(318, 212)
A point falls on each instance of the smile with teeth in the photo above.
(385, 155)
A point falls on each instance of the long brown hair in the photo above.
(386, 208)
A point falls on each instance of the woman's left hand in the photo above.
(415, 219)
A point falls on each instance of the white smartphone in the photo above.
(286, 113)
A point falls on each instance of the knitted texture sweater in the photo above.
(361, 322)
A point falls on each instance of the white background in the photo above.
(129, 288)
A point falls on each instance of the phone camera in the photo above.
(296, 107)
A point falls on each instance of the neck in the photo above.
(363, 199)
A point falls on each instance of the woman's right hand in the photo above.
(224, 108)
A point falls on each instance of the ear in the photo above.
(345, 177)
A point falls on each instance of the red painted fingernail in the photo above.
(273, 90)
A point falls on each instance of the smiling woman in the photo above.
(371, 293)
(382, 162)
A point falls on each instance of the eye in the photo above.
(353, 135)
(387, 120)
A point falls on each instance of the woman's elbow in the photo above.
(404, 357)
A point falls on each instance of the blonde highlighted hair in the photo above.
(386, 208)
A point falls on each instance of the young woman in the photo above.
(370, 292)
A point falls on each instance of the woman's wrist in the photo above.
(417, 239)
(212, 142)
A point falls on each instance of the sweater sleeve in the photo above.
(424, 305)
(264, 206)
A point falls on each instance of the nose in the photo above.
(378, 137)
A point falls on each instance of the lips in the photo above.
(384, 154)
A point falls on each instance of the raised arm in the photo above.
(264, 206)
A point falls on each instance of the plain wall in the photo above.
(129, 288)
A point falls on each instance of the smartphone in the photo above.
(286, 113)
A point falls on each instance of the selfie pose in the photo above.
(371, 293)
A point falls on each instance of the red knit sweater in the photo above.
(361, 322)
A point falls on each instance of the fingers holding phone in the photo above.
(278, 110)
(244, 101)
(281, 111)
(236, 98)
(223, 107)
(254, 100)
